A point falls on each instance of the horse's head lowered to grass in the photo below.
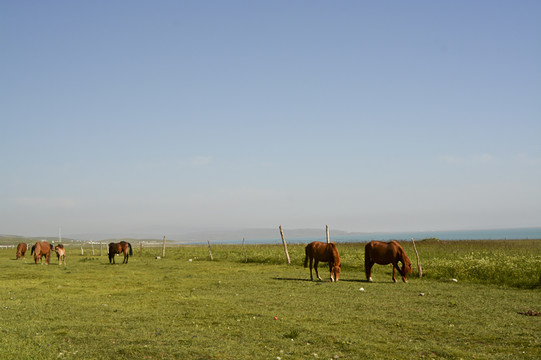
(377, 252)
(318, 251)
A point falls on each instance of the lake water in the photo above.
(494, 234)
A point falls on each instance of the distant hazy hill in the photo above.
(15, 239)
(177, 235)
(257, 234)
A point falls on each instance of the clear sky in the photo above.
(135, 116)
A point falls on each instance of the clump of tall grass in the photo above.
(500, 268)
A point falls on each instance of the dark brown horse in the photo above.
(21, 250)
(60, 253)
(41, 249)
(383, 253)
(319, 251)
(117, 248)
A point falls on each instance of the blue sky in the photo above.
(367, 116)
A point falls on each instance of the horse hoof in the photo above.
(370, 279)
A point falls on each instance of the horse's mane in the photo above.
(406, 262)
(335, 254)
(403, 254)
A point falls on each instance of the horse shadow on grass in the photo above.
(318, 281)
(289, 279)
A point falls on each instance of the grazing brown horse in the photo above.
(383, 253)
(117, 248)
(41, 249)
(61, 253)
(319, 251)
(21, 250)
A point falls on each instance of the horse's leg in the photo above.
(368, 269)
(400, 271)
(316, 262)
(311, 276)
(331, 267)
(368, 266)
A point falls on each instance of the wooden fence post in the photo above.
(141, 248)
(210, 251)
(82, 252)
(101, 249)
(327, 231)
(163, 251)
(244, 248)
(418, 262)
(92, 244)
(285, 245)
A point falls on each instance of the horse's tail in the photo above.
(367, 250)
(33, 248)
(306, 257)
(131, 252)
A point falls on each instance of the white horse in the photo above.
(61, 253)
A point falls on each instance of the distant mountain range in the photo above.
(214, 235)
(184, 236)
(190, 235)
(15, 239)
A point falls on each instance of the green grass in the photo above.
(174, 308)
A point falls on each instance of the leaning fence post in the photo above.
(163, 251)
(210, 251)
(285, 245)
(244, 248)
(418, 262)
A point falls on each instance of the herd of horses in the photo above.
(375, 252)
(42, 249)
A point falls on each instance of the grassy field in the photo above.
(185, 306)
